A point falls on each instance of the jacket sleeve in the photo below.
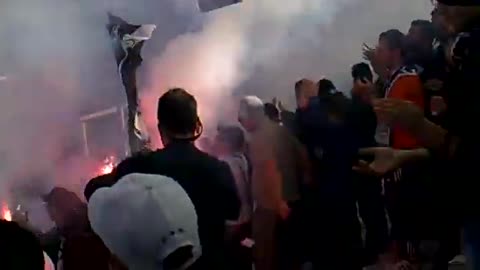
(267, 187)
(408, 88)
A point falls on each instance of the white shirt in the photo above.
(239, 167)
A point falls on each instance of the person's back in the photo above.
(207, 181)
(288, 151)
(230, 147)
(286, 154)
(19, 249)
(463, 111)
(209, 184)
(364, 121)
(263, 192)
(279, 163)
(332, 141)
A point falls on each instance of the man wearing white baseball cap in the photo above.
(148, 221)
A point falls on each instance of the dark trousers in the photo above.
(372, 212)
(291, 236)
(472, 244)
(238, 257)
(419, 211)
(279, 244)
(337, 236)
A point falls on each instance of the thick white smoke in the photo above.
(59, 64)
(262, 47)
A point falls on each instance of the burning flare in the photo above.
(6, 214)
(108, 165)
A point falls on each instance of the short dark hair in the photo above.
(19, 248)
(362, 70)
(177, 112)
(426, 27)
(233, 136)
(271, 111)
(62, 197)
(325, 86)
(395, 39)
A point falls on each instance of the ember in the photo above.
(6, 214)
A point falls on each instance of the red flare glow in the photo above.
(6, 214)
(108, 165)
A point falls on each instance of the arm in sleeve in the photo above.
(266, 178)
(408, 88)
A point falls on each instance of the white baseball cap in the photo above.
(145, 218)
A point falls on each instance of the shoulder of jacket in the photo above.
(466, 48)
(410, 70)
(405, 72)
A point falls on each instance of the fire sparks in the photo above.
(106, 169)
(108, 165)
(6, 214)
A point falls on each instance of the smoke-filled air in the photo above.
(57, 64)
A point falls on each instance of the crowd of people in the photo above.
(384, 178)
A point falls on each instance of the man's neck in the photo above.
(178, 141)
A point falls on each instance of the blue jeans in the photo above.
(472, 245)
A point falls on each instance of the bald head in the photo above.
(251, 112)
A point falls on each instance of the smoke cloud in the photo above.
(263, 47)
(58, 64)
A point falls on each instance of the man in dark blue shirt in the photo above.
(327, 133)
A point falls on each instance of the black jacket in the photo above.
(462, 117)
(208, 182)
(364, 121)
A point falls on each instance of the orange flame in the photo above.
(106, 169)
(6, 214)
(108, 165)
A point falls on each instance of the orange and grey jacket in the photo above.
(405, 84)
